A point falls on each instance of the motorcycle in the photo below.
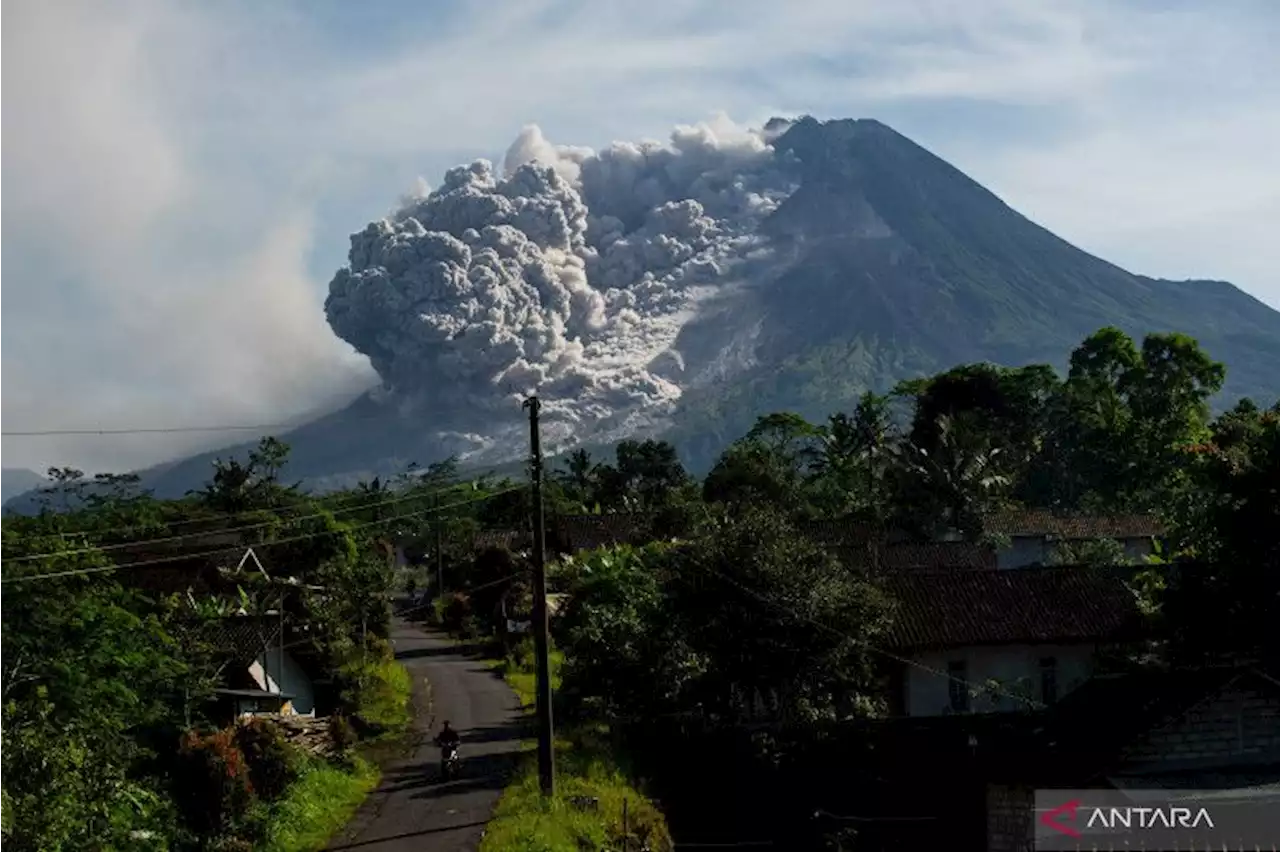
(449, 762)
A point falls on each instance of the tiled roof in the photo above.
(1056, 604)
(1036, 522)
(841, 531)
(169, 569)
(574, 533)
(509, 539)
(941, 555)
(239, 638)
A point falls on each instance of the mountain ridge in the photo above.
(888, 263)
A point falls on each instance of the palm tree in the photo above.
(959, 475)
(580, 474)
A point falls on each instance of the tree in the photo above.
(952, 483)
(579, 476)
(776, 615)
(90, 682)
(851, 459)
(1227, 598)
(254, 484)
(643, 477)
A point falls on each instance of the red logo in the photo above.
(1051, 818)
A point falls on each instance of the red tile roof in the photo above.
(1027, 605)
(1037, 522)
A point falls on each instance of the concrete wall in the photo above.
(1241, 722)
(1010, 812)
(1015, 667)
(266, 673)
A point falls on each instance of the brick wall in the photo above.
(1240, 722)
(1009, 818)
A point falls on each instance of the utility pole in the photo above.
(541, 643)
(435, 503)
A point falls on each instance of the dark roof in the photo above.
(942, 555)
(239, 638)
(842, 531)
(1037, 522)
(1031, 605)
(508, 539)
(574, 533)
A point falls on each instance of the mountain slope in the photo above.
(17, 480)
(904, 265)
(874, 261)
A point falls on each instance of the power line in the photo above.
(246, 528)
(216, 551)
(219, 516)
(155, 430)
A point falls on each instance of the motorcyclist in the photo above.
(447, 740)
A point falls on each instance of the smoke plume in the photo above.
(568, 273)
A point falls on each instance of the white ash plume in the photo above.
(569, 274)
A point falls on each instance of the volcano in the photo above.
(682, 289)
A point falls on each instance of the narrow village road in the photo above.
(412, 809)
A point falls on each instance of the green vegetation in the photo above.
(380, 695)
(727, 634)
(114, 737)
(591, 793)
(315, 806)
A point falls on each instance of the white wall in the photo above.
(928, 694)
(265, 671)
(1023, 551)
(1029, 550)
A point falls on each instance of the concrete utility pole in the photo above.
(541, 641)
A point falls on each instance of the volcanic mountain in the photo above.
(682, 289)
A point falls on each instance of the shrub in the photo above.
(342, 735)
(273, 761)
(457, 611)
(376, 695)
(212, 785)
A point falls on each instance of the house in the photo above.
(1034, 534)
(982, 641)
(570, 534)
(257, 673)
(1213, 729)
(204, 564)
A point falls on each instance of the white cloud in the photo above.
(165, 162)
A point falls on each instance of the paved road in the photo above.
(412, 809)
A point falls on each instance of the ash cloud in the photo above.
(568, 272)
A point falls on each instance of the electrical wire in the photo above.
(218, 516)
(246, 528)
(216, 551)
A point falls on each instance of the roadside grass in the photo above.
(595, 806)
(384, 698)
(317, 805)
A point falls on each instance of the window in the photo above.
(1048, 680)
(958, 686)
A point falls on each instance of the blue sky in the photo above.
(181, 178)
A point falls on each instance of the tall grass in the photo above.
(592, 792)
(317, 805)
